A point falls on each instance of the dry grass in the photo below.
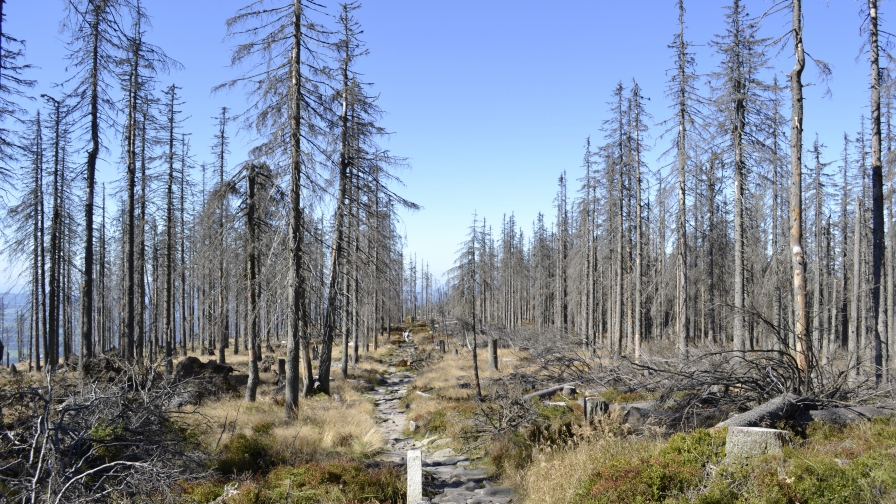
(324, 429)
(445, 375)
(555, 475)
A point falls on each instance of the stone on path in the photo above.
(415, 476)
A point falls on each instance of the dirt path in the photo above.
(447, 477)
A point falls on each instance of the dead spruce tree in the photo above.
(361, 166)
(682, 91)
(286, 111)
(738, 103)
(465, 278)
(96, 42)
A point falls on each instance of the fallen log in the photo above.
(782, 408)
(548, 391)
(844, 416)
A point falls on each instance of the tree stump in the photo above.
(595, 408)
(281, 371)
(493, 355)
(569, 391)
(744, 443)
(442, 346)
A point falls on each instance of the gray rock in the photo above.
(458, 498)
(446, 461)
(464, 474)
(470, 486)
(637, 416)
(441, 442)
(447, 452)
(502, 492)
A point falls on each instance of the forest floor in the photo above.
(351, 446)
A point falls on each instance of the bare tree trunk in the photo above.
(223, 316)
(37, 246)
(473, 288)
(638, 273)
(252, 278)
(798, 259)
(92, 156)
(168, 327)
(877, 197)
(185, 326)
(297, 342)
(682, 310)
(855, 318)
(336, 267)
(140, 259)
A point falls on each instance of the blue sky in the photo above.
(489, 100)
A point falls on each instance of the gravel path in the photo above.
(447, 477)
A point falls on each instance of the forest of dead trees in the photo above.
(752, 236)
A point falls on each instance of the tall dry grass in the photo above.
(555, 475)
(324, 429)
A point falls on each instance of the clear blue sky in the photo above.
(489, 100)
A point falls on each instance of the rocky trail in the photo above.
(448, 478)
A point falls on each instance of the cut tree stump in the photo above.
(744, 443)
(595, 408)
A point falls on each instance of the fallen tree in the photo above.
(116, 441)
(769, 413)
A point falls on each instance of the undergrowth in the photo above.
(337, 482)
(854, 464)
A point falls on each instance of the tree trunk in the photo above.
(90, 176)
(798, 259)
(877, 197)
(297, 341)
(251, 280)
(682, 310)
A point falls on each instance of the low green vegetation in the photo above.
(854, 464)
(312, 483)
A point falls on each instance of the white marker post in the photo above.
(415, 476)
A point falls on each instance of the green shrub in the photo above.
(249, 454)
(676, 469)
(203, 492)
(335, 482)
(839, 465)
(700, 447)
(510, 452)
(615, 396)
